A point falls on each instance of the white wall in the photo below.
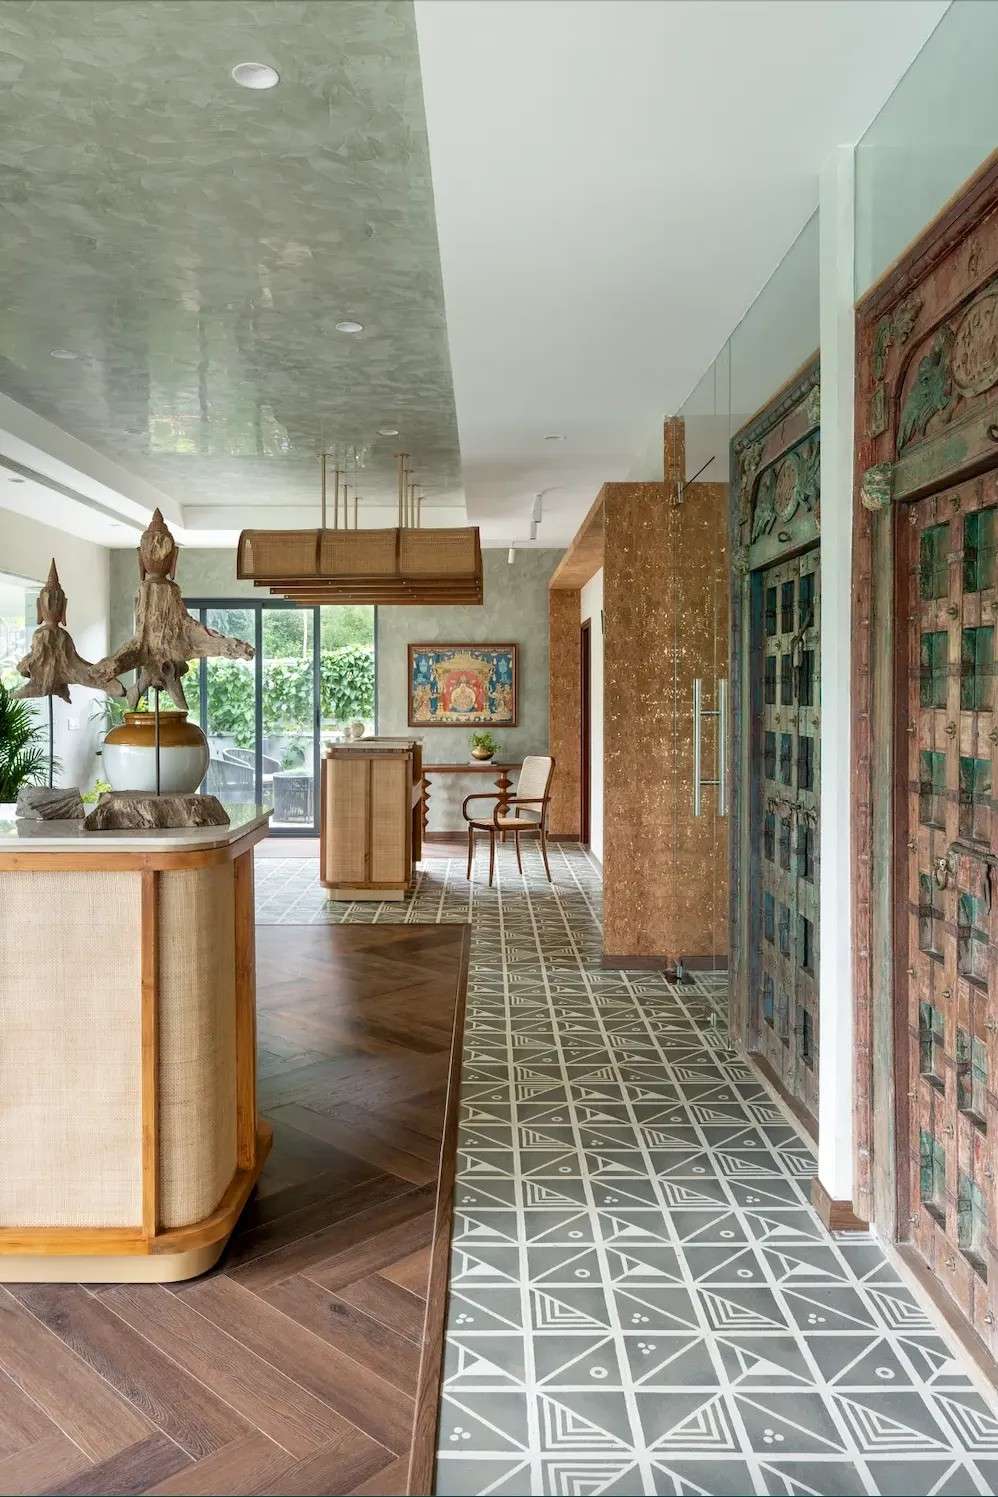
(26, 549)
(835, 984)
(592, 608)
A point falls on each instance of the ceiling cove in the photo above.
(177, 250)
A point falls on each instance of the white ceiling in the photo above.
(614, 181)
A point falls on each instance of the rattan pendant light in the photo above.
(344, 564)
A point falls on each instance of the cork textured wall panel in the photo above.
(565, 710)
(699, 573)
(664, 579)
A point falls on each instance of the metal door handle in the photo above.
(722, 746)
(721, 713)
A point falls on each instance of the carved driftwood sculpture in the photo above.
(133, 810)
(52, 665)
(166, 636)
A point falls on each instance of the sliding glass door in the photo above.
(265, 719)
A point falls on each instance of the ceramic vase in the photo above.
(129, 753)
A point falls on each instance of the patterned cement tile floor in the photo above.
(642, 1299)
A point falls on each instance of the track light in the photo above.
(536, 514)
(533, 530)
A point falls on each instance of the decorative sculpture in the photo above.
(52, 666)
(166, 636)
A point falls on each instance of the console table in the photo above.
(470, 766)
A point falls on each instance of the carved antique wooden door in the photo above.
(946, 554)
(785, 917)
(776, 680)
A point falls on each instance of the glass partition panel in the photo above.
(779, 332)
(935, 130)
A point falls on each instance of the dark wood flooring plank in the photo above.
(375, 1081)
(185, 1410)
(275, 1404)
(41, 1466)
(377, 1410)
(368, 1143)
(424, 1142)
(132, 1470)
(83, 1405)
(410, 1272)
(353, 1333)
(334, 1470)
(22, 1422)
(296, 1157)
(345, 1236)
(299, 1226)
(246, 1466)
(375, 1254)
(385, 1301)
(391, 1482)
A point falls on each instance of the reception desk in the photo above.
(129, 1135)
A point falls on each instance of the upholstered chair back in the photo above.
(535, 778)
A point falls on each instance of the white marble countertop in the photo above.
(70, 836)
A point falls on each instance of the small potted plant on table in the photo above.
(483, 747)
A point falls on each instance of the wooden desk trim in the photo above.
(92, 860)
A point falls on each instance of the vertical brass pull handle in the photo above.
(722, 746)
(697, 747)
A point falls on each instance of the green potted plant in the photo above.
(483, 747)
(23, 760)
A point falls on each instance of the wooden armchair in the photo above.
(523, 814)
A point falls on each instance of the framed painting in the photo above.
(462, 686)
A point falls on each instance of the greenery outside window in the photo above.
(312, 679)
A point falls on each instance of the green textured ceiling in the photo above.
(195, 242)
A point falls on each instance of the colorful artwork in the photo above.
(462, 686)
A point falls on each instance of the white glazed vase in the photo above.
(129, 753)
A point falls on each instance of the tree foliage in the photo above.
(346, 690)
(23, 760)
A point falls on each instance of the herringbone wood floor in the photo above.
(295, 1367)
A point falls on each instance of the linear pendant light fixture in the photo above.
(337, 564)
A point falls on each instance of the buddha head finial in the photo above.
(157, 549)
(51, 605)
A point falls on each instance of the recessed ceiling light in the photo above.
(63, 353)
(256, 75)
(349, 326)
(388, 431)
(17, 480)
(555, 436)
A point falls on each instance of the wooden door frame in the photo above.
(909, 315)
(585, 731)
(792, 415)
